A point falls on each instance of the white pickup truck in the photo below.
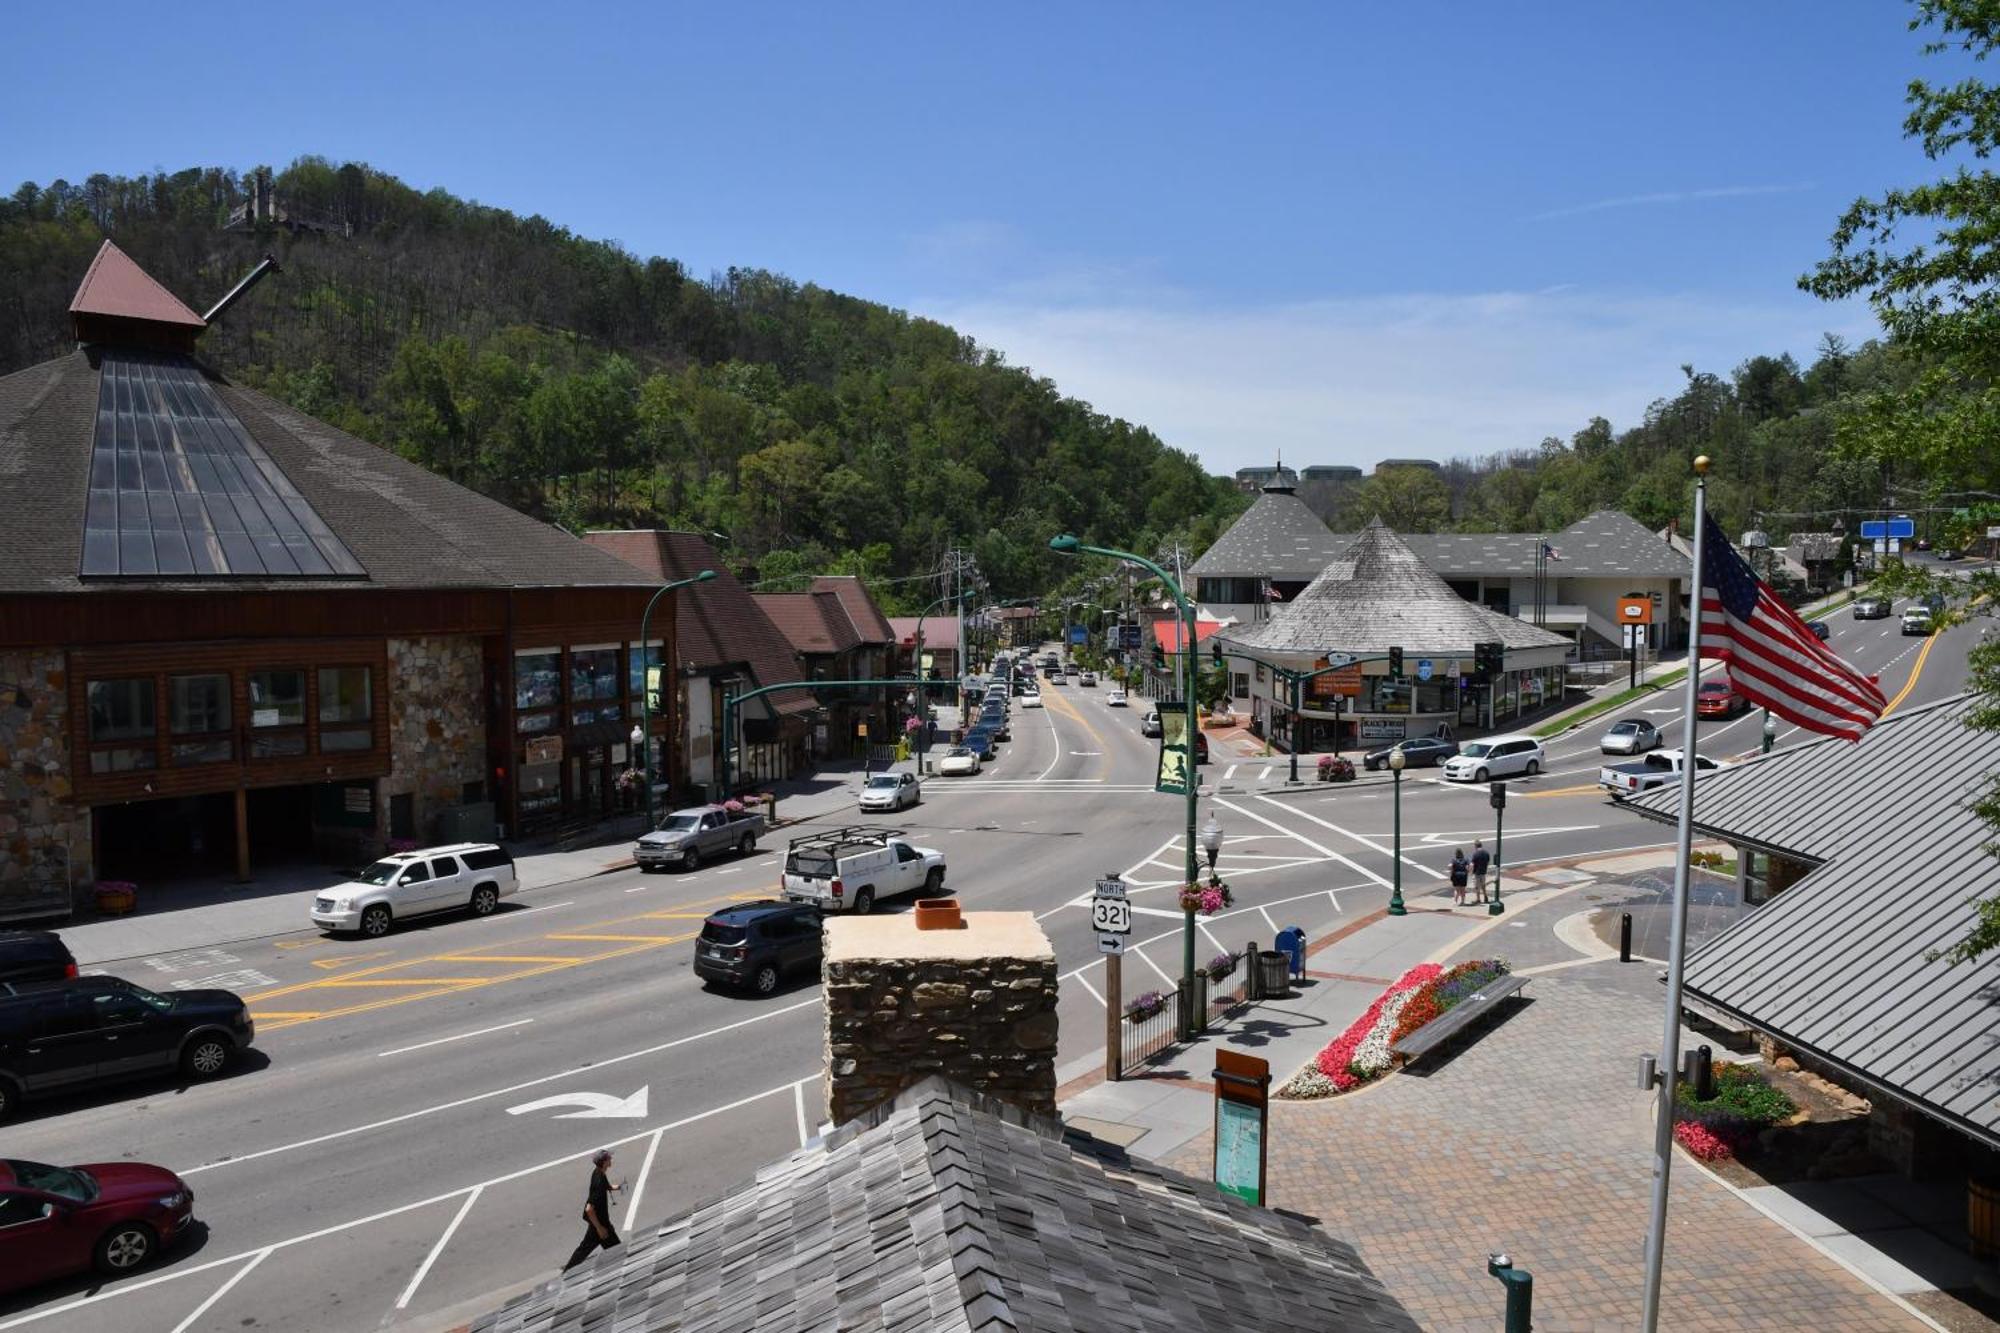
(1655, 770)
(850, 869)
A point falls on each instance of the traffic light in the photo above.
(1215, 653)
(1395, 661)
(1159, 658)
(1488, 659)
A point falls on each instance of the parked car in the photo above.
(1032, 699)
(1088, 678)
(1819, 629)
(1917, 620)
(460, 877)
(56, 1221)
(58, 1036)
(1655, 770)
(1871, 608)
(1718, 698)
(891, 791)
(1923, 543)
(1945, 553)
(994, 722)
(1115, 699)
(1634, 735)
(980, 742)
(1149, 725)
(959, 761)
(1417, 752)
(753, 945)
(687, 837)
(1495, 757)
(34, 955)
(1201, 747)
(850, 869)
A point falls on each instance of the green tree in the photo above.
(1408, 499)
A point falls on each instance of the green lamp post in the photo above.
(1069, 545)
(1396, 908)
(646, 695)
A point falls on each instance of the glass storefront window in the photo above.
(120, 761)
(283, 745)
(218, 750)
(537, 680)
(346, 740)
(120, 710)
(278, 699)
(530, 723)
(637, 663)
(346, 694)
(197, 704)
(593, 674)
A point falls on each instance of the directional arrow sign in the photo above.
(596, 1106)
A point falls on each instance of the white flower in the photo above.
(1372, 1055)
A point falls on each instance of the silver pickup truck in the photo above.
(685, 837)
(1655, 770)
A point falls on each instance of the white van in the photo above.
(464, 876)
(1496, 757)
(848, 869)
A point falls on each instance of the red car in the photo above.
(1718, 698)
(58, 1220)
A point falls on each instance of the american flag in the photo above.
(1271, 591)
(1771, 657)
(1550, 553)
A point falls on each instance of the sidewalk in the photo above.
(1529, 1138)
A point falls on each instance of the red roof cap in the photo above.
(116, 286)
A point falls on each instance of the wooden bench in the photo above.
(1455, 1020)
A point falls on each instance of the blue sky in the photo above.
(1342, 231)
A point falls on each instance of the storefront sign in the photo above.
(357, 800)
(1242, 1102)
(1384, 729)
(1635, 611)
(1345, 682)
(545, 750)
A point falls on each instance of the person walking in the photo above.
(598, 1230)
(1459, 869)
(1480, 860)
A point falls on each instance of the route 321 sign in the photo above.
(1110, 915)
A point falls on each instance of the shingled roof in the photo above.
(870, 625)
(945, 1211)
(1278, 536)
(1842, 964)
(1378, 595)
(406, 526)
(718, 623)
(812, 622)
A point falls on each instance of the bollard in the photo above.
(1520, 1284)
(1704, 1073)
(1253, 985)
(1624, 937)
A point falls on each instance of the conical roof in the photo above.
(116, 286)
(1379, 595)
(1277, 537)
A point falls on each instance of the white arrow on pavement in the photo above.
(1661, 712)
(596, 1105)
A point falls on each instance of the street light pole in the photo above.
(1069, 545)
(646, 695)
(1770, 731)
(1396, 908)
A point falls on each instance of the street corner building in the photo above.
(946, 1210)
(232, 636)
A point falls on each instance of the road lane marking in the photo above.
(799, 1108)
(221, 1291)
(1230, 772)
(1327, 852)
(336, 983)
(477, 1097)
(523, 911)
(1265, 776)
(1273, 924)
(437, 1248)
(439, 1041)
(1155, 966)
(613, 939)
(506, 958)
(639, 1181)
(1559, 791)
(1915, 671)
(1085, 983)
(330, 963)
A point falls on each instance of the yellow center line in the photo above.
(505, 958)
(1063, 702)
(1911, 683)
(616, 937)
(1558, 791)
(342, 983)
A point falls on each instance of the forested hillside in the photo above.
(578, 382)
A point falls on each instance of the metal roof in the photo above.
(944, 1210)
(114, 285)
(1839, 965)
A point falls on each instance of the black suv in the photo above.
(58, 1036)
(755, 944)
(34, 955)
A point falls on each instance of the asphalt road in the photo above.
(389, 1157)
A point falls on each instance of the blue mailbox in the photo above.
(1291, 942)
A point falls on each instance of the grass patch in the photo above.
(1666, 680)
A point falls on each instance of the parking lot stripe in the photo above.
(221, 1291)
(424, 1269)
(639, 1181)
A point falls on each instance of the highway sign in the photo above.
(1110, 887)
(1111, 916)
(1423, 668)
(1111, 944)
(1876, 528)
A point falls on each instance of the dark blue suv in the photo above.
(753, 945)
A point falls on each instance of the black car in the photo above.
(58, 1036)
(994, 721)
(1417, 752)
(1946, 553)
(34, 955)
(1819, 629)
(753, 945)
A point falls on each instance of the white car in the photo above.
(1496, 757)
(1632, 736)
(464, 876)
(1115, 699)
(1031, 699)
(891, 791)
(960, 761)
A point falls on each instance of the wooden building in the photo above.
(232, 635)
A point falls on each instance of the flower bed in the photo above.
(1361, 1053)
(1744, 1104)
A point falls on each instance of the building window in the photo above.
(593, 674)
(529, 724)
(277, 744)
(538, 679)
(346, 740)
(121, 710)
(346, 709)
(640, 663)
(1241, 688)
(197, 704)
(215, 750)
(278, 698)
(121, 760)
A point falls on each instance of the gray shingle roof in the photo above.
(407, 526)
(1378, 595)
(946, 1211)
(1837, 964)
(1278, 535)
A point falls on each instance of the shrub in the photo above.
(1742, 1096)
(1702, 1142)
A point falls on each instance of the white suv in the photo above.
(465, 876)
(1496, 757)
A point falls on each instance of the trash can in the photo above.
(1274, 974)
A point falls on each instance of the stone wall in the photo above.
(45, 850)
(437, 726)
(976, 1004)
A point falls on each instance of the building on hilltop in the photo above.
(265, 208)
(1427, 464)
(233, 637)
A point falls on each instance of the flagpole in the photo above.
(1670, 1039)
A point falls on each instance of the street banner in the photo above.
(1174, 747)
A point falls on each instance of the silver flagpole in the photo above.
(1670, 1039)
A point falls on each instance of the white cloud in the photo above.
(1415, 375)
(1670, 197)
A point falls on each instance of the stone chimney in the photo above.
(973, 999)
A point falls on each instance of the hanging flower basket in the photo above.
(732, 806)
(116, 897)
(1145, 1006)
(1206, 899)
(1221, 966)
(630, 780)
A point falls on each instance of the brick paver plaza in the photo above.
(1533, 1139)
